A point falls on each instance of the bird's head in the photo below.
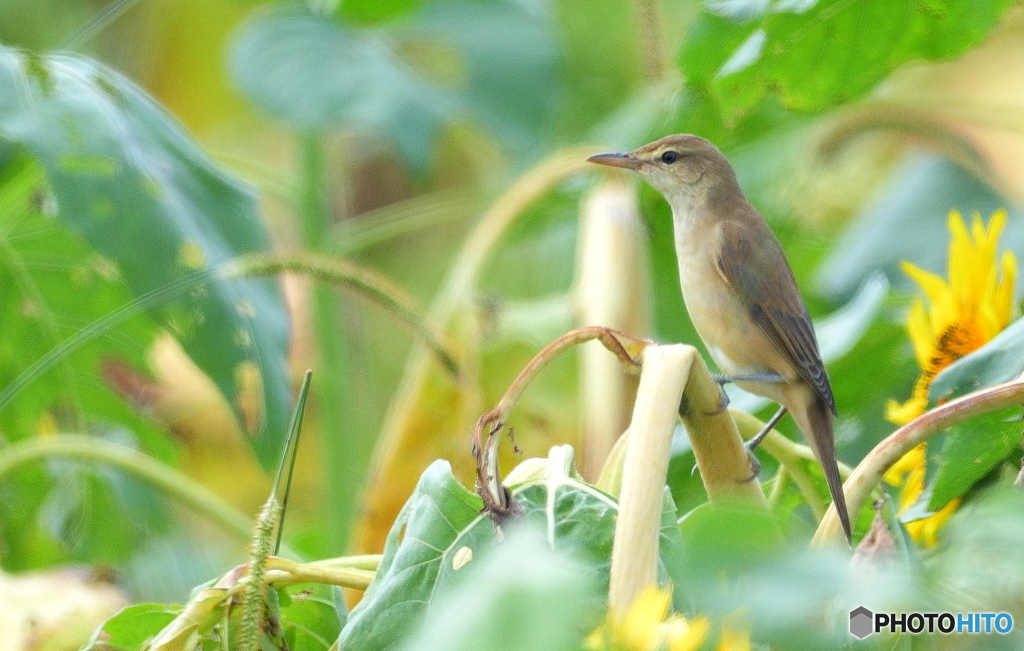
(682, 166)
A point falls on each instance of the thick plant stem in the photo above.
(868, 474)
(635, 550)
(718, 449)
(344, 448)
(674, 379)
(612, 289)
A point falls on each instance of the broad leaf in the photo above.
(821, 53)
(130, 629)
(1000, 360)
(441, 526)
(130, 181)
(54, 284)
(309, 617)
(917, 200)
(375, 11)
(493, 62)
(523, 597)
(971, 450)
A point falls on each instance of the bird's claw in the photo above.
(755, 465)
(723, 403)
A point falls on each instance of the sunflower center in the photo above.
(957, 340)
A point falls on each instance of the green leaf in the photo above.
(375, 11)
(972, 449)
(440, 518)
(493, 62)
(918, 200)
(310, 618)
(523, 597)
(441, 526)
(821, 53)
(1000, 360)
(129, 629)
(55, 284)
(130, 181)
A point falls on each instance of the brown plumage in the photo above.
(739, 288)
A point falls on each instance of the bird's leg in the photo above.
(752, 444)
(722, 380)
(748, 377)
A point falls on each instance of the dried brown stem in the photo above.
(497, 500)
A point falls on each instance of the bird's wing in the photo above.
(774, 303)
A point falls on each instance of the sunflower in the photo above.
(648, 626)
(962, 314)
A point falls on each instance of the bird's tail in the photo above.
(816, 424)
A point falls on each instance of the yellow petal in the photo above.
(913, 486)
(686, 635)
(919, 328)
(901, 414)
(961, 259)
(639, 628)
(908, 462)
(734, 641)
(995, 228)
(597, 640)
(934, 287)
(925, 531)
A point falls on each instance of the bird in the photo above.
(740, 292)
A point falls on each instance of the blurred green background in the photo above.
(388, 133)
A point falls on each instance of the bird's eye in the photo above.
(669, 157)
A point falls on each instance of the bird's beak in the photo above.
(616, 160)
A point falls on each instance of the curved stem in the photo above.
(366, 282)
(501, 216)
(497, 500)
(136, 463)
(781, 479)
(868, 474)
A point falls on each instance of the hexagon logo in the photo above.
(862, 622)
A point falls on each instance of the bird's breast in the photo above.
(736, 343)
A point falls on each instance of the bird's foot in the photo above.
(755, 466)
(723, 403)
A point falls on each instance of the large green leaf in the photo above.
(917, 200)
(820, 53)
(129, 180)
(523, 597)
(441, 527)
(54, 284)
(971, 450)
(493, 62)
(129, 629)
(1000, 360)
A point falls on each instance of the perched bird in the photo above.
(739, 290)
